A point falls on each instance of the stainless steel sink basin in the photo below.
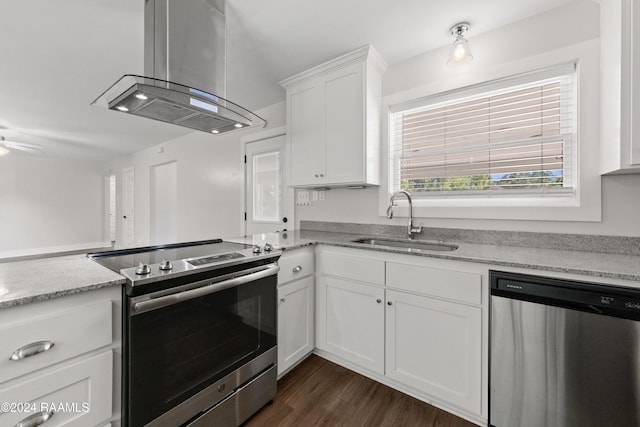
(407, 244)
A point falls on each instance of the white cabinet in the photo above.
(350, 321)
(333, 121)
(62, 355)
(620, 86)
(295, 323)
(73, 395)
(417, 324)
(295, 308)
(435, 346)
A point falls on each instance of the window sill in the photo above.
(537, 209)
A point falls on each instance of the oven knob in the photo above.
(268, 247)
(257, 250)
(143, 269)
(166, 265)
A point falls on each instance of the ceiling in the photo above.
(58, 56)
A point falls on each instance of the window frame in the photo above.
(585, 205)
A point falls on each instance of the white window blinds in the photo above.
(509, 137)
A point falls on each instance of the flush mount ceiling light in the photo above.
(460, 52)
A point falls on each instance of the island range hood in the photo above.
(185, 70)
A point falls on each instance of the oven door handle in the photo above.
(167, 300)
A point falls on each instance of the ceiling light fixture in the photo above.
(122, 108)
(142, 96)
(238, 125)
(216, 131)
(460, 52)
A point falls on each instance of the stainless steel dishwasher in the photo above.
(563, 353)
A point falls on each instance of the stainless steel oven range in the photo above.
(199, 341)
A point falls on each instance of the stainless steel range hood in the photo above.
(185, 70)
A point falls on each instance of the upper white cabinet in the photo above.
(333, 121)
(620, 86)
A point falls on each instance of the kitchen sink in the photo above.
(407, 244)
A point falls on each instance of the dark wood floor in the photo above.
(321, 393)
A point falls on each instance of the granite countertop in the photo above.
(596, 264)
(29, 281)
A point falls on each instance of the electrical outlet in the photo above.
(303, 198)
(314, 196)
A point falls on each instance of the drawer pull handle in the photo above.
(35, 419)
(297, 269)
(31, 350)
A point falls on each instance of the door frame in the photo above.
(287, 191)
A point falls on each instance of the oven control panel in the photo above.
(215, 258)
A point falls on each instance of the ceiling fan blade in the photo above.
(20, 146)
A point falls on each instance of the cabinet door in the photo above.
(350, 321)
(295, 322)
(306, 133)
(345, 122)
(79, 394)
(435, 346)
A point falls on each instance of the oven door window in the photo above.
(176, 351)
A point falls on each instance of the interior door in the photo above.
(268, 199)
(164, 203)
(127, 207)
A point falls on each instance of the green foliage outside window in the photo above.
(520, 180)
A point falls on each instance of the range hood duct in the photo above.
(185, 70)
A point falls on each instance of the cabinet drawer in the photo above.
(295, 264)
(351, 267)
(80, 394)
(72, 332)
(456, 285)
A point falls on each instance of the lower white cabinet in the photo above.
(74, 395)
(295, 322)
(350, 321)
(435, 346)
(60, 361)
(416, 324)
(296, 319)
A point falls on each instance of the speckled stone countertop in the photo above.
(596, 264)
(24, 282)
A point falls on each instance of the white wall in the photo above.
(49, 205)
(566, 26)
(210, 184)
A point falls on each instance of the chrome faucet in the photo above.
(410, 227)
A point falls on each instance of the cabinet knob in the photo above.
(389, 303)
(317, 176)
(321, 175)
(283, 299)
(378, 300)
(297, 269)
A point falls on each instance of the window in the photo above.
(512, 137)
